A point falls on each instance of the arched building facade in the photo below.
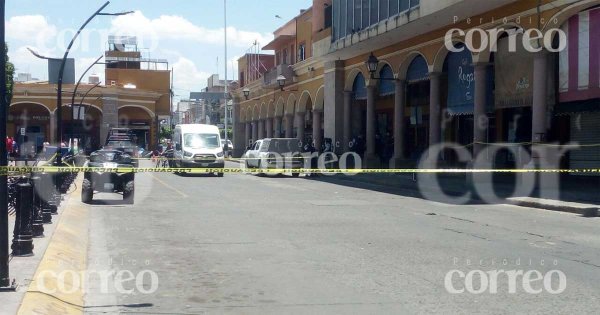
(430, 87)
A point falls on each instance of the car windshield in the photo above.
(201, 141)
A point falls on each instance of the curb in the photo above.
(66, 253)
(588, 212)
(585, 210)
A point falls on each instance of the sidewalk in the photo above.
(23, 269)
(576, 195)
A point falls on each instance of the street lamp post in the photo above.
(226, 84)
(62, 71)
(5, 284)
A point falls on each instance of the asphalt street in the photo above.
(279, 245)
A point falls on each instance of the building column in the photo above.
(248, 134)
(334, 79)
(543, 156)
(261, 129)
(254, 130)
(370, 157)
(239, 130)
(277, 132)
(540, 94)
(301, 126)
(347, 120)
(52, 128)
(480, 119)
(399, 124)
(289, 126)
(269, 127)
(434, 109)
(317, 136)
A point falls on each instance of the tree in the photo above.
(10, 73)
(165, 133)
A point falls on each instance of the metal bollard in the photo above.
(45, 191)
(54, 201)
(38, 220)
(23, 235)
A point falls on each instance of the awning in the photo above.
(278, 42)
(514, 76)
(418, 70)
(460, 110)
(388, 86)
(461, 82)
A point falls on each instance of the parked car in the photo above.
(264, 154)
(109, 181)
(198, 146)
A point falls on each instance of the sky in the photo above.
(188, 33)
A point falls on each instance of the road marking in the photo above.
(170, 187)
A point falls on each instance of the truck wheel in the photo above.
(87, 191)
(295, 174)
(221, 174)
(129, 192)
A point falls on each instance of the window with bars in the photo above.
(351, 16)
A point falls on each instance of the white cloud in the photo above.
(179, 28)
(25, 62)
(29, 27)
(187, 77)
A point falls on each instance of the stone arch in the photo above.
(352, 76)
(486, 55)
(405, 64)
(146, 109)
(442, 54)
(84, 104)
(320, 98)
(383, 64)
(243, 115)
(280, 107)
(566, 13)
(255, 112)
(34, 103)
(305, 98)
(271, 109)
(290, 107)
(263, 110)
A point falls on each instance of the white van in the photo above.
(198, 146)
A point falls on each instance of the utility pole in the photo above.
(5, 284)
(226, 84)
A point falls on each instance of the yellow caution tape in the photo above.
(55, 169)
